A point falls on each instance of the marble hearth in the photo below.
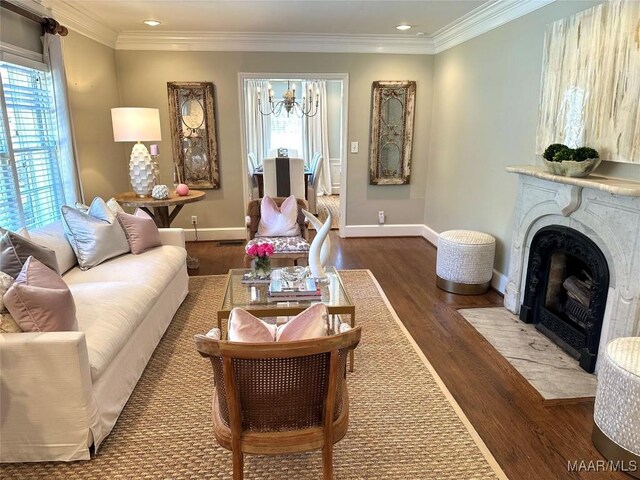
(607, 211)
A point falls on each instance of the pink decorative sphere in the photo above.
(182, 190)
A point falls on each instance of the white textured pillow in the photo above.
(5, 282)
(95, 236)
(278, 222)
(53, 236)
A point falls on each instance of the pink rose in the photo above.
(252, 250)
(261, 248)
(268, 250)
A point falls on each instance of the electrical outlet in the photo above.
(354, 147)
(381, 217)
(194, 219)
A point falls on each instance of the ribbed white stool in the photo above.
(464, 263)
(616, 415)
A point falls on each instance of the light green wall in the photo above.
(92, 81)
(143, 76)
(484, 118)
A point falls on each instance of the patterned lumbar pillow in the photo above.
(40, 301)
(311, 323)
(15, 249)
(140, 229)
(7, 323)
(95, 236)
(278, 222)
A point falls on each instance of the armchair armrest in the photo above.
(172, 236)
(48, 409)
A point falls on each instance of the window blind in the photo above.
(30, 181)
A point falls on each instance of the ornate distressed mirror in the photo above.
(392, 111)
(193, 133)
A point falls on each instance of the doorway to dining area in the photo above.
(296, 116)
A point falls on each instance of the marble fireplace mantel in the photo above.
(607, 210)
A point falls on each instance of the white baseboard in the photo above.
(238, 233)
(430, 235)
(404, 230)
(499, 281)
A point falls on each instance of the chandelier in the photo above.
(307, 107)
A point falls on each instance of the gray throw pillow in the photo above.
(15, 249)
(95, 236)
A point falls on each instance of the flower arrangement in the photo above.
(261, 253)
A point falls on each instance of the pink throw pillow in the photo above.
(40, 301)
(140, 229)
(244, 327)
(278, 222)
(311, 323)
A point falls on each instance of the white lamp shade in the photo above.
(136, 124)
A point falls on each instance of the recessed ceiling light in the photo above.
(152, 23)
(403, 27)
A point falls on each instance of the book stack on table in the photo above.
(284, 291)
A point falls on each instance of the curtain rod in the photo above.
(49, 25)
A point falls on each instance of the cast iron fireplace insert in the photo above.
(566, 291)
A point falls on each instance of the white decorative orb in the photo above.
(160, 192)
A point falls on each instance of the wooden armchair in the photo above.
(293, 248)
(280, 397)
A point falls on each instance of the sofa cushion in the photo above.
(15, 249)
(40, 301)
(278, 222)
(109, 313)
(53, 236)
(95, 236)
(140, 229)
(154, 268)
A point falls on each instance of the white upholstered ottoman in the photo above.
(616, 416)
(464, 263)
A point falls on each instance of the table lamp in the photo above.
(138, 125)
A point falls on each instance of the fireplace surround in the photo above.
(606, 211)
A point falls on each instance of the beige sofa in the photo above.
(61, 392)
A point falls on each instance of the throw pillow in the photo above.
(311, 323)
(52, 236)
(114, 206)
(8, 324)
(140, 229)
(95, 236)
(40, 301)
(278, 222)
(5, 283)
(15, 249)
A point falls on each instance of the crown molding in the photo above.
(273, 42)
(81, 21)
(483, 19)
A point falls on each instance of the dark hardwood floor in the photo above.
(530, 440)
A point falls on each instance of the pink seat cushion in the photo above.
(140, 229)
(311, 323)
(278, 222)
(40, 301)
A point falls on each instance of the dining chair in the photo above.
(252, 181)
(314, 183)
(253, 161)
(284, 177)
(280, 397)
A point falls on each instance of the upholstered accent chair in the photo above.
(280, 397)
(314, 182)
(294, 248)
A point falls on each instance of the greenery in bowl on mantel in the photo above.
(562, 160)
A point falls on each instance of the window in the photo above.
(286, 131)
(31, 188)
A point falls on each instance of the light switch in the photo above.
(354, 147)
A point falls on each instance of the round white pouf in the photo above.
(465, 261)
(616, 414)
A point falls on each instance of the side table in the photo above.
(160, 213)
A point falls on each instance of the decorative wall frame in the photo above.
(590, 91)
(392, 112)
(194, 133)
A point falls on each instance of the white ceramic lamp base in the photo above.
(142, 171)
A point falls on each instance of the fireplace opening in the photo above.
(566, 291)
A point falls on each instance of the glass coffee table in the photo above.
(253, 299)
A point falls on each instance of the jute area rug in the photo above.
(329, 203)
(403, 423)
